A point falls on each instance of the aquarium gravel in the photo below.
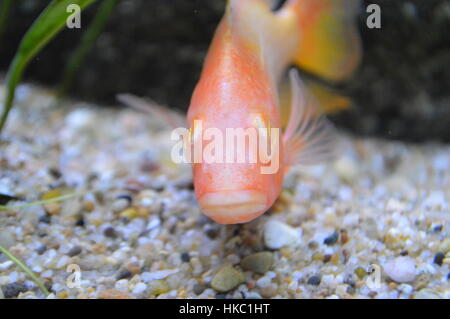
(374, 223)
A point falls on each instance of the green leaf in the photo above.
(5, 6)
(44, 28)
(39, 202)
(27, 270)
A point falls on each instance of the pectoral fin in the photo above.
(309, 137)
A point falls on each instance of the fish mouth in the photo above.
(233, 207)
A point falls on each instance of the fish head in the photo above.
(236, 166)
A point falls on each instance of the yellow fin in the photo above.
(328, 100)
(330, 46)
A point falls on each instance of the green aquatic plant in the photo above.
(4, 208)
(87, 41)
(14, 259)
(44, 28)
(5, 6)
(27, 270)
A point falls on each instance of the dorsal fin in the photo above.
(330, 46)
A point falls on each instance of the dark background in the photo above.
(156, 48)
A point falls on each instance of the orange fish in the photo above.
(239, 88)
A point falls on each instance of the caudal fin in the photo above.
(329, 45)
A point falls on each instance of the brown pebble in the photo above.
(318, 257)
(344, 237)
(335, 259)
(53, 208)
(110, 232)
(89, 206)
(113, 294)
(393, 285)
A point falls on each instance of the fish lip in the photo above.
(233, 207)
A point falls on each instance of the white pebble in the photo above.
(346, 169)
(394, 205)
(122, 285)
(406, 289)
(278, 234)
(436, 200)
(6, 265)
(157, 275)
(63, 261)
(263, 282)
(80, 118)
(139, 288)
(401, 269)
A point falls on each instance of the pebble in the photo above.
(113, 294)
(6, 238)
(346, 169)
(4, 266)
(185, 257)
(76, 250)
(439, 258)
(332, 239)
(53, 208)
(344, 237)
(129, 213)
(14, 289)
(158, 287)
(212, 232)
(139, 288)
(124, 274)
(401, 269)
(426, 294)
(110, 232)
(157, 275)
(227, 278)
(435, 200)
(360, 272)
(198, 289)
(62, 262)
(122, 285)
(264, 282)
(41, 249)
(445, 246)
(253, 295)
(120, 204)
(259, 262)
(80, 222)
(278, 235)
(314, 280)
(46, 219)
